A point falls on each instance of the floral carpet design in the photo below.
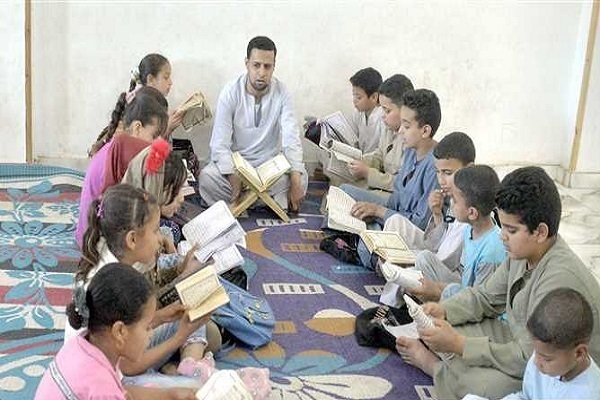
(313, 354)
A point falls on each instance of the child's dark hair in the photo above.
(368, 79)
(116, 293)
(455, 145)
(151, 64)
(426, 106)
(120, 209)
(148, 103)
(530, 194)
(562, 319)
(479, 184)
(175, 176)
(261, 43)
(394, 88)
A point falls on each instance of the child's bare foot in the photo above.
(414, 352)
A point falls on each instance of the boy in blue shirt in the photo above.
(420, 116)
(473, 196)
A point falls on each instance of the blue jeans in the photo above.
(359, 194)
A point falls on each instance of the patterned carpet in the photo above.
(313, 354)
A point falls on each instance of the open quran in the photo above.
(388, 245)
(339, 205)
(197, 111)
(214, 230)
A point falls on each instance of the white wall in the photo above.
(12, 82)
(589, 154)
(504, 71)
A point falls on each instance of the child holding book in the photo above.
(117, 311)
(153, 71)
(366, 118)
(420, 119)
(490, 354)
(483, 251)
(124, 227)
(145, 119)
(377, 170)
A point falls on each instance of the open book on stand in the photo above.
(201, 293)
(388, 245)
(263, 176)
(214, 230)
(197, 111)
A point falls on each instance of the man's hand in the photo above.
(296, 192)
(435, 310)
(436, 201)
(429, 290)
(443, 338)
(359, 169)
(363, 210)
(236, 187)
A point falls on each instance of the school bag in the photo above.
(248, 318)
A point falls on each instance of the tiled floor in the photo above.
(580, 224)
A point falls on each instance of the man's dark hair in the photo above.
(562, 319)
(478, 183)
(261, 43)
(426, 105)
(530, 194)
(368, 79)
(457, 145)
(394, 88)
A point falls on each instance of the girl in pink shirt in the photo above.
(117, 309)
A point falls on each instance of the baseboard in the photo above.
(76, 163)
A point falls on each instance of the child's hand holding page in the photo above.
(172, 312)
(359, 169)
(187, 327)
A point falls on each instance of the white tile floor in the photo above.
(580, 224)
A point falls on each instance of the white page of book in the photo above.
(227, 258)
(346, 153)
(193, 292)
(339, 200)
(273, 168)
(224, 385)
(231, 235)
(389, 240)
(209, 224)
(342, 128)
(346, 221)
(339, 168)
(407, 330)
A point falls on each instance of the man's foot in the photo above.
(414, 352)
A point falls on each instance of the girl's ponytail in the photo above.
(109, 131)
(89, 252)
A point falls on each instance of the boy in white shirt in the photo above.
(561, 366)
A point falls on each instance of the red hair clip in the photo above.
(159, 151)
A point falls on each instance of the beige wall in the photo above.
(507, 73)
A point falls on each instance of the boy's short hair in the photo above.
(531, 194)
(457, 145)
(261, 43)
(394, 88)
(563, 319)
(479, 184)
(426, 105)
(368, 79)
